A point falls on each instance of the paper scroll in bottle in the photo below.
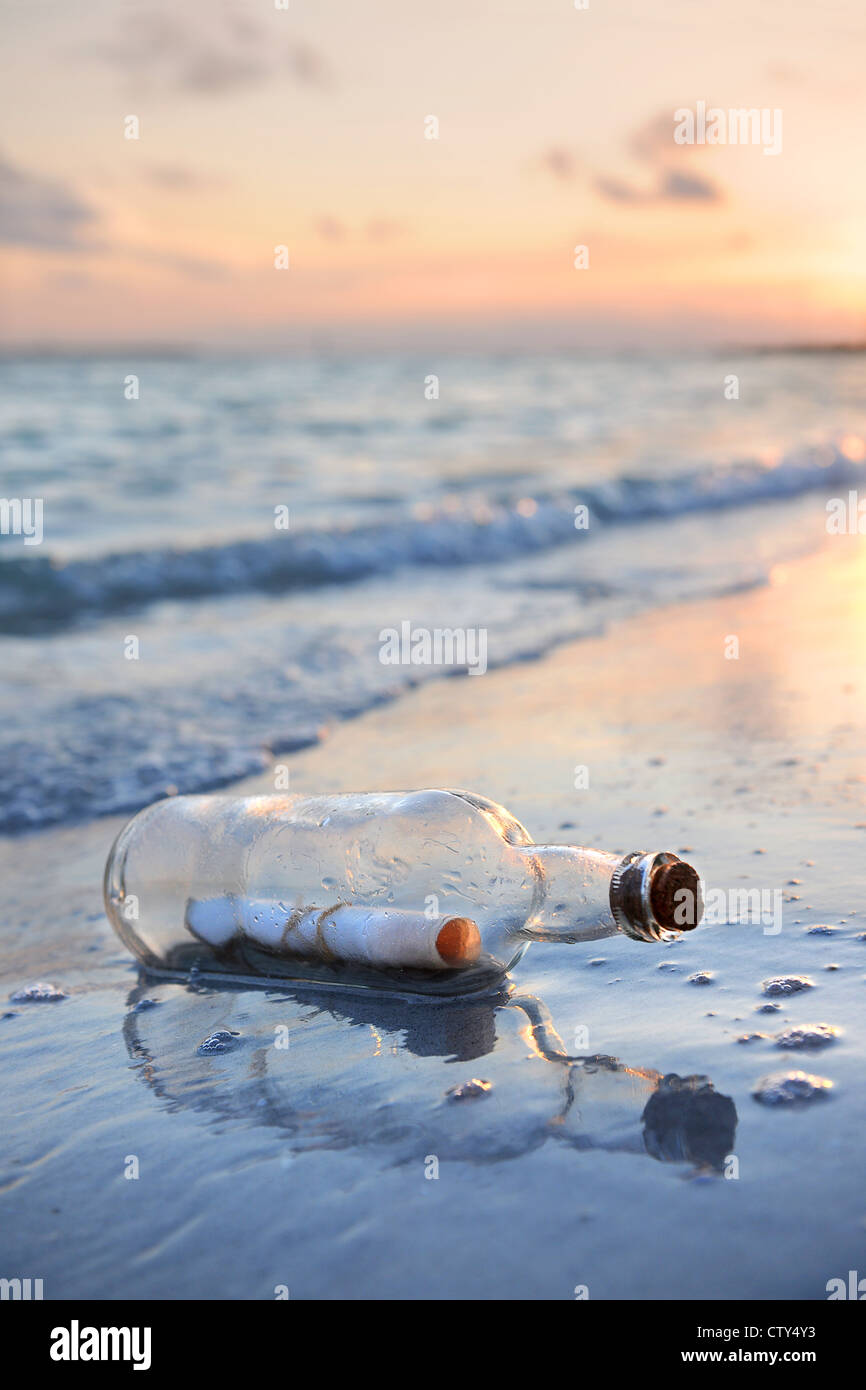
(343, 933)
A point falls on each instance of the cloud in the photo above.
(671, 180)
(330, 228)
(666, 179)
(682, 184)
(176, 178)
(618, 192)
(309, 66)
(191, 267)
(40, 212)
(377, 229)
(160, 49)
(672, 186)
(787, 74)
(654, 141)
(45, 214)
(559, 162)
(69, 280)
(384, 229)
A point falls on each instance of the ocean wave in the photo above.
(44, 592)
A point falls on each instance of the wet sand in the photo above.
(311, 1167)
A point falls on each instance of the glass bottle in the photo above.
(432, 891)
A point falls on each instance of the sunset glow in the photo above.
(309, 128)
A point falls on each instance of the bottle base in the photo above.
(249, 968)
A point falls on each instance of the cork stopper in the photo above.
(459, 941)
(653, 893)
(675, 896)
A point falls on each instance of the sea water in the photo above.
(223, 559)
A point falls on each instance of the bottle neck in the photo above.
(587, 894)
(572, 900)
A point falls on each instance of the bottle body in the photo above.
(431, 891)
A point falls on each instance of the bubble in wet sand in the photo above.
(220, 1041)
(812, 1035)
(791, 1088)
(39, 993)
(469, 1089)
(786, 984)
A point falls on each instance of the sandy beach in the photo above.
(132, 1166)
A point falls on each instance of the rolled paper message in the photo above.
(344, 932)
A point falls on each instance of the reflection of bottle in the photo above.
(686, 1118)
(363, 1070)
(440, 890)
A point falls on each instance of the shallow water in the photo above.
(456, 513)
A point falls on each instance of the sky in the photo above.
(307, 127)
